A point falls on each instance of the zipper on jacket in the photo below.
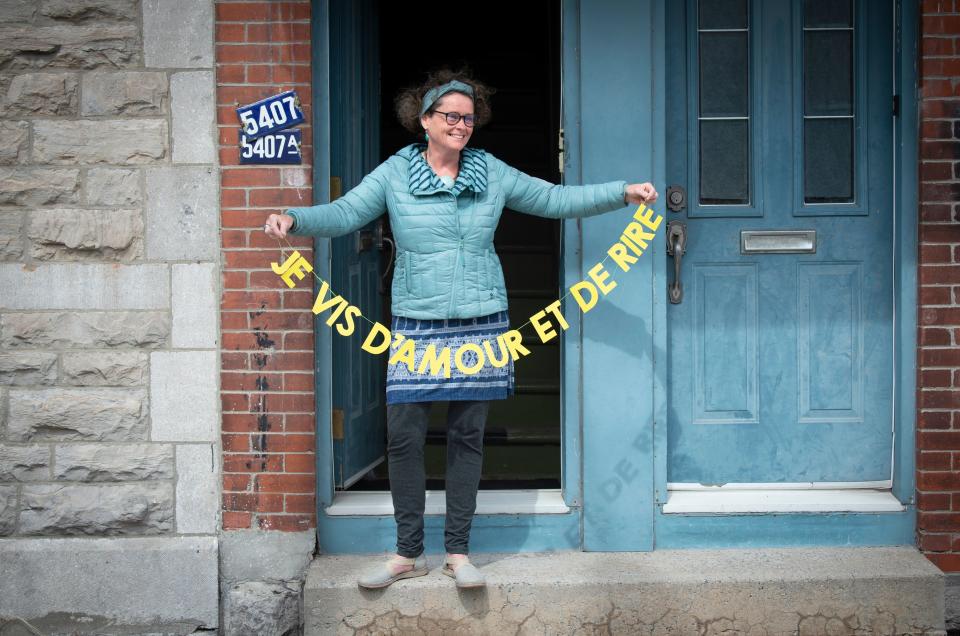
(456, 266)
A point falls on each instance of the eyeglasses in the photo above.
(453, 118)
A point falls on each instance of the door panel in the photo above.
(830, 340)
(724, 301)
(780, 364)
(358, 382)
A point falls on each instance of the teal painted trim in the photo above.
(662, 84)
(571, 247)
(323, 345)
(339, 49)
(784, 530)
(906, 153)
(489, 533)
(755, 207)
(618, 50)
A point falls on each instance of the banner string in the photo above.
(314, 272)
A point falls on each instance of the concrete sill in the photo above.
(543, 501)
(740, 501)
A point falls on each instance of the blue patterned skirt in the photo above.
(490, 383)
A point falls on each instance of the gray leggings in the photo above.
(406, 435)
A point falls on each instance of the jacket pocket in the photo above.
(406, 272)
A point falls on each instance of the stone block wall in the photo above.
(938, 356)
(267, 390)
(109, 259)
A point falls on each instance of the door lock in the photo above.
(365, 240)
(676, 198)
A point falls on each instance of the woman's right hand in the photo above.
(278, 225)
(638, 193)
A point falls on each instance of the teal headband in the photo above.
(454, 86)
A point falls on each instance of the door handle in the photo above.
(377, 239)
(381, 240)
(676, 246)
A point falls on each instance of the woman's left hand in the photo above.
(640, 193)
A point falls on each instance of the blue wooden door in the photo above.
(359, 431)
(780, 118)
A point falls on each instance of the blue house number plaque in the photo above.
(263, 135)
(270, 115)
(282, 146)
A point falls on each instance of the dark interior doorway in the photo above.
(514, 47)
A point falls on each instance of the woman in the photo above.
(444, 201)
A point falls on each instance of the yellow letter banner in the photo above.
(470, 358)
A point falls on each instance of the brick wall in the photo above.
(938, 373)
(262, 48)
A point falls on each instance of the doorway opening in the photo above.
(520, 57)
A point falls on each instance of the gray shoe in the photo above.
(382, 575)
(466, 575)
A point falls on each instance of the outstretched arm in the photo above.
(538, 197)
(350, 212)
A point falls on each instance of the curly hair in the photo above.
(408, 102)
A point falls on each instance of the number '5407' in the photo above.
(271, 114)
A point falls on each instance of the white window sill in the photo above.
(746, 501)
(489, 502)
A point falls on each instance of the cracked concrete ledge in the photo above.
(757, 592)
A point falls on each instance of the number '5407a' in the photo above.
(271, 114)
(280, 147)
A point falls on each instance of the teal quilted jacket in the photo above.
(446, 266)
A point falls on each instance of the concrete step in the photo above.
(893, 590)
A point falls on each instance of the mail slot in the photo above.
(778, 241)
